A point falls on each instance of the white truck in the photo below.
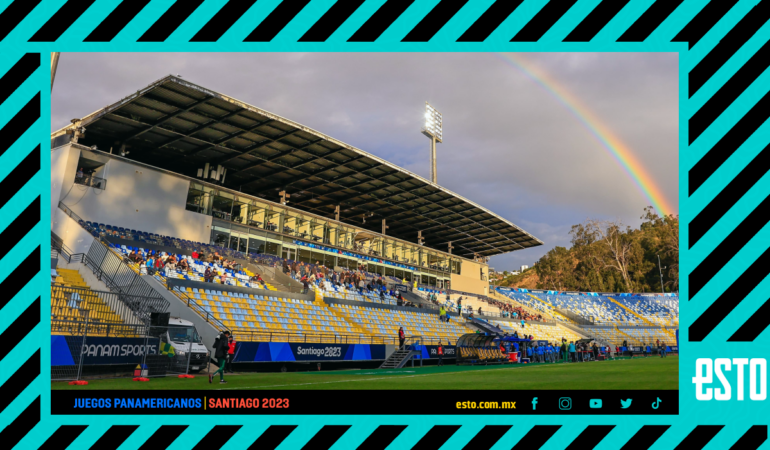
(183, 336)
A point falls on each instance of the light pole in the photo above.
(433, 129)
(660, 271)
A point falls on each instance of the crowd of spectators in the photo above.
(357, 279)
(152, 262)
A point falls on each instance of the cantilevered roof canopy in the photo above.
(179, 126)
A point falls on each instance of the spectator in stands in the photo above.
(401, 338)
(305, 285)
(479, 310)
(183, 264)
(440, 352)
(207, 275)
(230, 354)
(79, 175)
(195, 254)
(150, 264)
(221, 349)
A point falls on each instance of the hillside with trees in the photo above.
(607, 256)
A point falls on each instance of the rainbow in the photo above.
(617, 149)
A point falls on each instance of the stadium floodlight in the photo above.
(433, 128)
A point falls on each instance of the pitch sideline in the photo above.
(392, 377)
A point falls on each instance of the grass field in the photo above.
(638, 373)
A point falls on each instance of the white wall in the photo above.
(75, 237)
(60, 161)
(135, 197)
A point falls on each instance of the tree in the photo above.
(607, 256)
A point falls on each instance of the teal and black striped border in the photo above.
(724, 159)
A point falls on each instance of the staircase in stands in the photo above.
(642, 318)
(398, 359)
(553, 312)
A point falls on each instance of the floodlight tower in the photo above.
(432, 129)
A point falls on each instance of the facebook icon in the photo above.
(534, 403)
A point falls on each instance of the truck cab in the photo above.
(183, 336)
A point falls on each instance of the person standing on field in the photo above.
(440, 352)
(221, 348)
(230, 354)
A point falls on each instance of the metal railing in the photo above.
(92, 181)
(151, 359)
(131, 290)
(81, 327)
(247, 335)
(74, 303)
(192, 304)
(580, 320)
(120, 278)
(65, 252)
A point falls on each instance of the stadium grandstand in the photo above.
(182, 201)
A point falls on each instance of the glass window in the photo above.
(290, 224)
(329, 260)
(317, 257)
(256, 216)
(222, 205)
(399, 274)
(256, 245)
(240, 211)
(272, 248)
(220, 238)
(196, 198)
(271, 222)
(389, 271)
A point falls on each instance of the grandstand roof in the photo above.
(179, 126)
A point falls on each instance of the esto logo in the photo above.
(705, 368)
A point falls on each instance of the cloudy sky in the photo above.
(509, 144)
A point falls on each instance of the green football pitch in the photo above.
(637, 373)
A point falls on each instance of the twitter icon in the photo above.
(625, 404)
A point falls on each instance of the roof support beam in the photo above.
(167, 118)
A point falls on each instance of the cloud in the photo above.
(509, 145)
